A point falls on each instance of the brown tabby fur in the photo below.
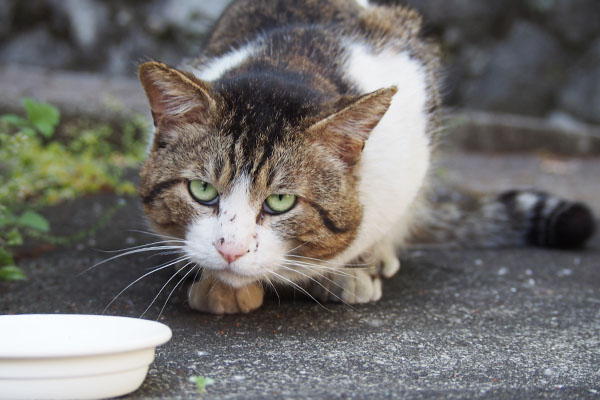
(289, 121)
(197, 128)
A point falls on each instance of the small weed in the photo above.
(38, 169)
(201, 383)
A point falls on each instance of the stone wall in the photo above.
(534, 57)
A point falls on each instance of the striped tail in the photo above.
(513, 218)
(551, 221)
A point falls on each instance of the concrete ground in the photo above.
(504, 324)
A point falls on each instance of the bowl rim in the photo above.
(158, 335)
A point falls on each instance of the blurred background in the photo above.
(522, 84)
(521, 87)
(531, 57)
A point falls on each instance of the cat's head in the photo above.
(251, 169)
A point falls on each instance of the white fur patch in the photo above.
(235, 223)
(526, 201)
(363, 3)
(396, 155)
(217, 67)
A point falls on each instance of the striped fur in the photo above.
(510, 219)
(335, 102)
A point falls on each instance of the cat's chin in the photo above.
(233, 279)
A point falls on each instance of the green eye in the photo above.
(279, 203)
(203, 192)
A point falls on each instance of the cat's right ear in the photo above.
(346, 131)
(173, 93)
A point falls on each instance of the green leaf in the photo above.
(27, 131)
(7, 220)
(5, 258)
(201, 382)
(14, 238)
(14, 120)
(12, 273)
(34, 220)
(44, 116)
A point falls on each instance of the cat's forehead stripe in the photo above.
(158, 189)
(328, 222)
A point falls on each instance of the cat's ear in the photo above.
(346, 131)
(172, 93)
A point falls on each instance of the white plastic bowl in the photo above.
(58, 356)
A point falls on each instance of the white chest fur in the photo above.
(395, 160)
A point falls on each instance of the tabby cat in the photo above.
(296, 151)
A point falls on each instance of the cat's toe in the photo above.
(197, 298)
(351, 286)
(249, 297)
(377, 290)
(390, 266)
(359, 288)
(222, 300)
(213, 297)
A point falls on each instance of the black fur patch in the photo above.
(263, 107)
(329, 224)
(572, 227)
(158, 189)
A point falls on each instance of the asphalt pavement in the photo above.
(502, 324)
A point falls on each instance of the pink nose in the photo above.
(231, 251)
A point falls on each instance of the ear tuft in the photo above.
(347, 130)
(173, 93)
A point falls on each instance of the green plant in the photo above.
(11, 227)
(40, 167)
(201, 383)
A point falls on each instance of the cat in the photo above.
(297, 150)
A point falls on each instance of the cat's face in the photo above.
(248, 180)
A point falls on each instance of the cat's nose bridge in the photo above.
(236, 230)
(237, 224)
(235, 236)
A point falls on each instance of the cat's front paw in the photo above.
(351, 286)
(213, 296)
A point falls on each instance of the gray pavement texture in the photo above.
(458, 324)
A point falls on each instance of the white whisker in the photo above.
(138, 247)
(173, 290)
(274, 288)
(154, 234)
(329, 262)
(299, 288)
(297, 247)
(198, 271)
(317, 271)
(127, 254)
(140, 278)
(164, 253)
(163, 288)
(333, 271)
(212, 287)
(320, 284)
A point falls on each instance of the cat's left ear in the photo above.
(346, 131)
(173, 93)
